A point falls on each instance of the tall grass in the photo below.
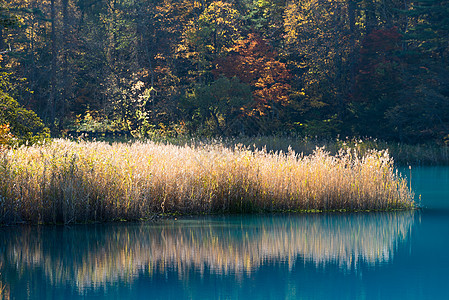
(66, 181)
(404, 154)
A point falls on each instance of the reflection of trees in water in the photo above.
(92, 256)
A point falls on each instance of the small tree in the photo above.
(16, 120)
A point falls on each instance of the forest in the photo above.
(326, 68)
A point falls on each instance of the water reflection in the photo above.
(97, 256)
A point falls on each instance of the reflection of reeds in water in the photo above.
(94, 256)
(4, 290)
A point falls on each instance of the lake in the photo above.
(374, 255)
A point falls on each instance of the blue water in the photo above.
(395, 255)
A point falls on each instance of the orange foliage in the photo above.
(5, 136)
(254, 62)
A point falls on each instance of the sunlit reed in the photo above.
(66, 181)
(404, 154)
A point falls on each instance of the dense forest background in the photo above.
(311, 67)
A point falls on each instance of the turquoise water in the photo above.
(395, 255)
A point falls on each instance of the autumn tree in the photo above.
(378, 79)
(315, 67)
(254, 62)
(208, 36)
(321, 39)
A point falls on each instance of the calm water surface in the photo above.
(399, 255)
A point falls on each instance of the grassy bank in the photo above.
(66, 181)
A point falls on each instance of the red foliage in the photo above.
(254, 62)
(378, 67)
(381, 41)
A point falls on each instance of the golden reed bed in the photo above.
(65, 181)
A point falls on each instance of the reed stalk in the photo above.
(66, 181)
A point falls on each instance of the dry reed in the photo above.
(404, 154)
(66, 181)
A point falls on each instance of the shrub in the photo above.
(24, 124)
(5, 136)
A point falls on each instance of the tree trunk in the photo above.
(370, 14)
(2, 41)
(32, 76)
(65, 69)
(52, 98)
(352, 57)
